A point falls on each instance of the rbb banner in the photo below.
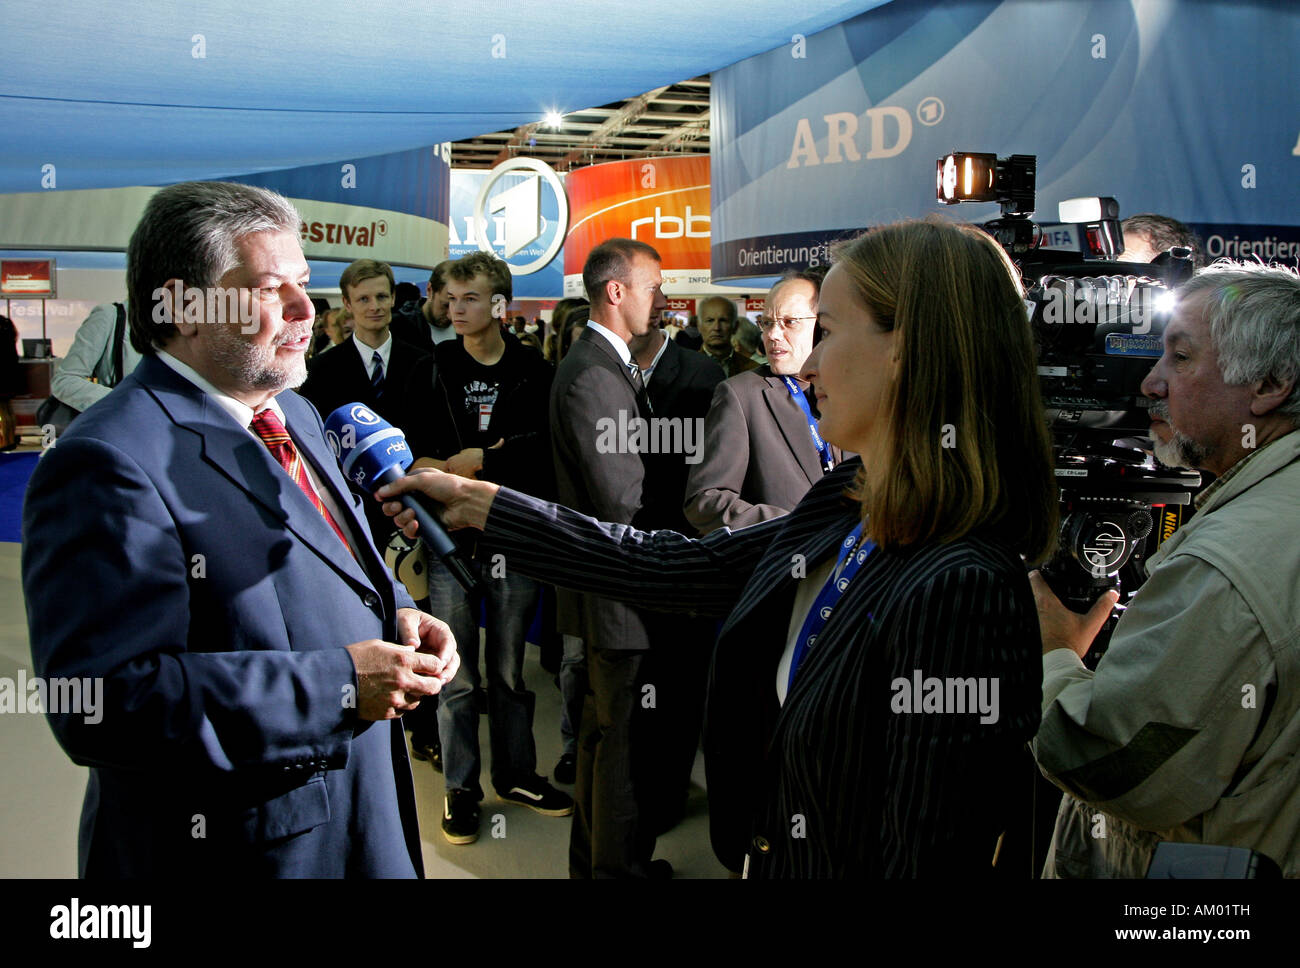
(387, 207)
(1187, 108)
(663, 202)
(538, 214)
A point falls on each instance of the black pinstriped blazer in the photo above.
(833, 783)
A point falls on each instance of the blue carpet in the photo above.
(15, 469)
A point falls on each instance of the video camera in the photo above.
(1098, 325)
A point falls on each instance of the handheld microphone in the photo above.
(372, 452)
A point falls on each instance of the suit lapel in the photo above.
(794, 428)
(316, 452)
(663, 382)
(401, 361)
(246, 462)
(611, 358)
(774, 580)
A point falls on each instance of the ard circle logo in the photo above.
(521, 205)
(362, 415)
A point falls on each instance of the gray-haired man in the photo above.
(1189, 727)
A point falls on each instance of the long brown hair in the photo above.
(965, 439)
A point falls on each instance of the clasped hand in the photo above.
(392, 679)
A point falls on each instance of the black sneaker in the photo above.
(427, 748)
(460, 817)
(536, 794)
(566, 771)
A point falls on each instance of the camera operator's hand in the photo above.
(1063, 628)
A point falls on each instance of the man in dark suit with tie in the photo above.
(598, 382)
(372, 367)
(680, 384)
(760, 452)
(249, 640)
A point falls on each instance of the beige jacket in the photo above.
(1189, 730)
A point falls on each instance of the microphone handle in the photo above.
(434, 534)
(436, 537)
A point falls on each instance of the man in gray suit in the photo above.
(761, 448)
(599, 385)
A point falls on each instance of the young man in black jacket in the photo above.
(488, 421)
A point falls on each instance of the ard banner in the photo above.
(1186, 108)
(523, 217)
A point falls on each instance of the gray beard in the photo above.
(254, 368)
(1181, 451)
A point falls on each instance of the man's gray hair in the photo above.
(189, 232)
(1253, 311)
(731, 306)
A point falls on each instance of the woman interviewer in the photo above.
(886, 749)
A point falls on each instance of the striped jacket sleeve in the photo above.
(657, 570)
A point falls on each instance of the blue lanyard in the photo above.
(828, 598)
(823, 448)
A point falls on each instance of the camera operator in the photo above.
(1147, 236)
(1189, 727)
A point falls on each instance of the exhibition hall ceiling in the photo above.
(96, 94)
(670, 119)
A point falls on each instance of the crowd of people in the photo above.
(825, 577)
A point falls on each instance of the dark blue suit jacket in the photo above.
(165, 551)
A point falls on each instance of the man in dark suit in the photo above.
(372, 367)
(597, 385)
(249, 641)
(680, 385)
(760, 453)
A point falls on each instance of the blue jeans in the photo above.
(511, 601)
(573, 689)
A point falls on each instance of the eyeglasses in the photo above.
(791, 324)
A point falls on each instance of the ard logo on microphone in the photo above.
(345, 438)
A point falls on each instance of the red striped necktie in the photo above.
(268, 427)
